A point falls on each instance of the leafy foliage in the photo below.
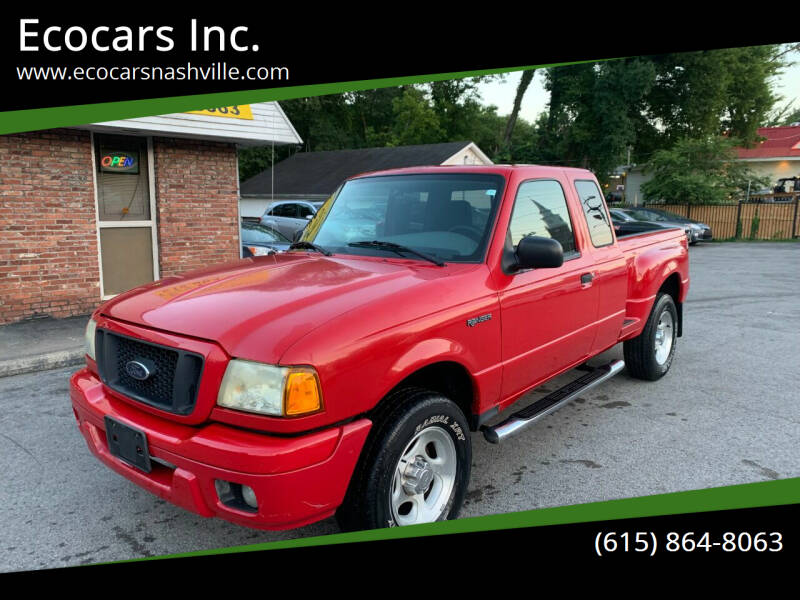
(699, 171)
(598, 112)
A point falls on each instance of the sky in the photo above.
(501, 93)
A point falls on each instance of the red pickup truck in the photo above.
(346, 375)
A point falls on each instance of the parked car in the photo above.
(290, 217)
(258, 240)
(695, 230)
(625, 224)
(345, 376)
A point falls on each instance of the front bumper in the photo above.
(700, 235)
(297, 480)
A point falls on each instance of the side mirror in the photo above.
(534, 252)
(309, 217)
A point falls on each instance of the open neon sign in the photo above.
(119, 161)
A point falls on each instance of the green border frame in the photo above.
(18, 121)
(748, 495)
(751, 495)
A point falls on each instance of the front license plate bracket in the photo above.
(128, 444)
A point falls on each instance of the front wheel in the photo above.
(415, 466)
(649, 355)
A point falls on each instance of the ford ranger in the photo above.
(345, 376)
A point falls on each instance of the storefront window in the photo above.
(122, 185)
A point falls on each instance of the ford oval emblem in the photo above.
(137, 370)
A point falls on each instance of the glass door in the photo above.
(125, 213)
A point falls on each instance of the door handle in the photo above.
(587, 278)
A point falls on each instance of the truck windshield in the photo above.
(447, 216)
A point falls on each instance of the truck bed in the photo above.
(635, 241)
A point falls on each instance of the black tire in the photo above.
(407, 415)
(640, 352)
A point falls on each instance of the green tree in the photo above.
(792, 117)
(323, 123)
(594, 111)
(713, 92)
(413, 120)
(597, 111)
(524, 82)
(372, 112)
(748, 95)
(436, 112)
(699, 171)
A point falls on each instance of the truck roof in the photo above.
(492, 169)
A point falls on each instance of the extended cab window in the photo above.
(595, 212)
(541, 209)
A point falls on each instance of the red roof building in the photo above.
(777, 156)
(780, 142)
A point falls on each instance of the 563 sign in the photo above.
(237, 111)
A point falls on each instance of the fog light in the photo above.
(236, 495)
(249, 496)
(223, 489)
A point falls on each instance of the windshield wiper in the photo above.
(397, 248)
(310, 246)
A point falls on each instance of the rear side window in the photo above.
(285, 210)
(594, 209)
(541, 209)
(304, 211)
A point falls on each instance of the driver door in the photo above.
(548, 315)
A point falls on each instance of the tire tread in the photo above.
(638, 352)
(350, 515)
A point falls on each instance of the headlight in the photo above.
(88, 338)
(270, 390)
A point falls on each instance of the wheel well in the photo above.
(672, 286)
(448, 378)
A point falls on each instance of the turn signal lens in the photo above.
(302, 395)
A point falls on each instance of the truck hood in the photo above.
(256, 308)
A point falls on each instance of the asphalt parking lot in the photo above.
(725, 414)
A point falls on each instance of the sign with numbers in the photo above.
(238, 111)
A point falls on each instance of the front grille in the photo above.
(173, 375)
(158, 387)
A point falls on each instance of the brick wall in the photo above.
(48, 243)
(197, 203)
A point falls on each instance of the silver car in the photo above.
(695, 230)
(290, 216)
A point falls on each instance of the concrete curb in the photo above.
(41, 362)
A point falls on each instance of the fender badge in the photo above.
(475, 320)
